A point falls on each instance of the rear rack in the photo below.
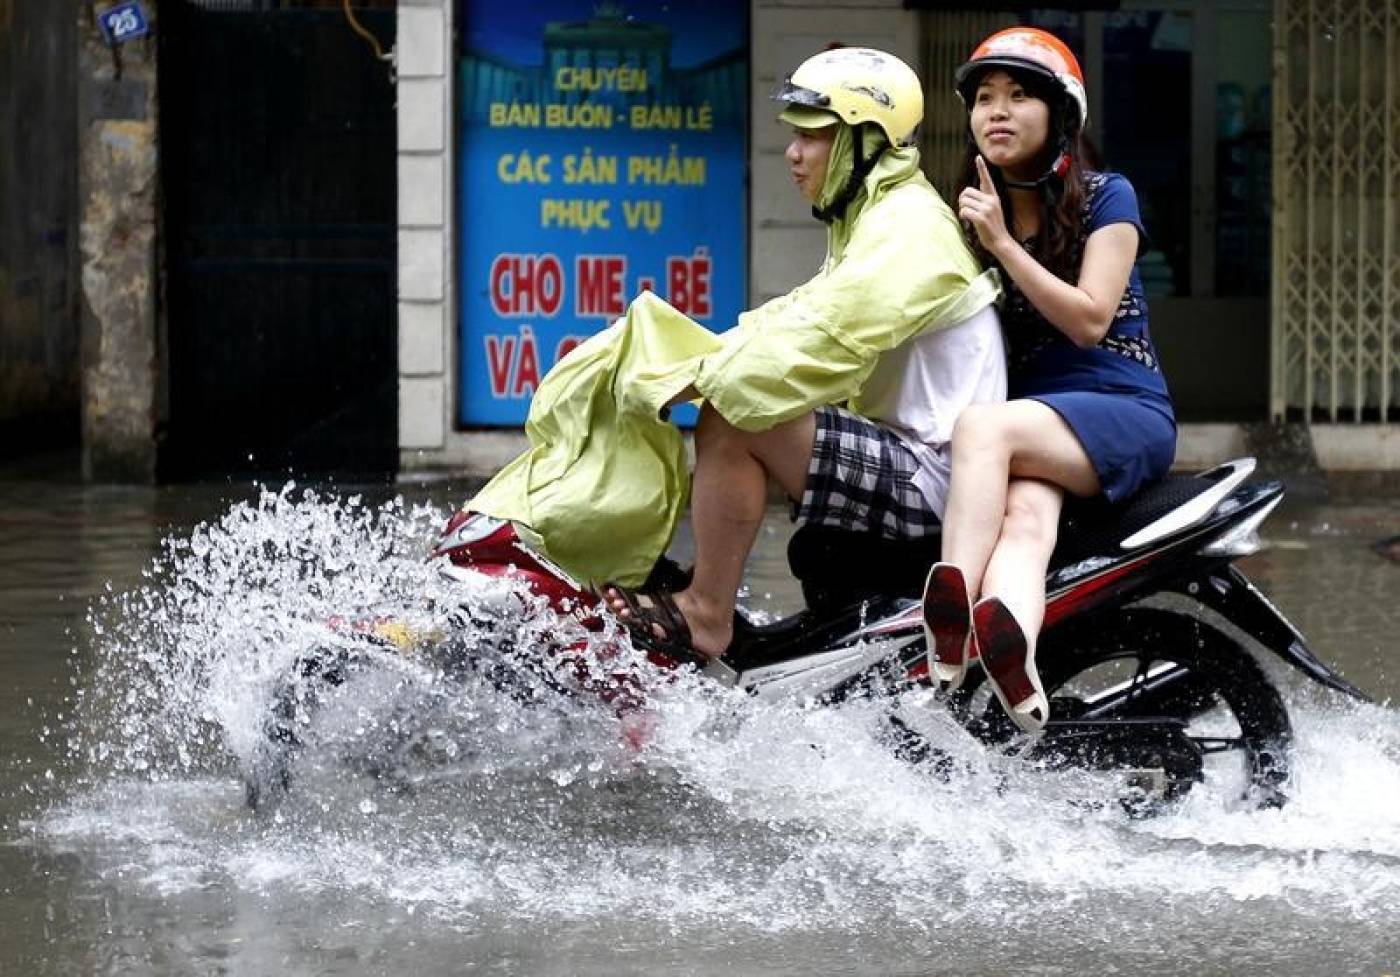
(1226, 477)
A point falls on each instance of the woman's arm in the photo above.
(1083, 312)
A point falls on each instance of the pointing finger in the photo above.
(971, 195)
(984, 177)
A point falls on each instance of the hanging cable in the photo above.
(359, 28)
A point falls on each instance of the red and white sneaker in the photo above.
(947, 624)
(1010, 664)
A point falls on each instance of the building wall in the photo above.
(38, 225)
(426, 296)
(785, 244)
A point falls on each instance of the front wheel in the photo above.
(338, 704)
(1157, 692)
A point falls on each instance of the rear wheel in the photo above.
(1157, 693)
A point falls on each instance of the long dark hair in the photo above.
(1062, 198)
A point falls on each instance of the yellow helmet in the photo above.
(855, 85)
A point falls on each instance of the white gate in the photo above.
(1336, 247)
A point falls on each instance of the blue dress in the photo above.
(1112, 395)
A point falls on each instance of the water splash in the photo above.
(184, 664)
(538, 807)
(186, 667)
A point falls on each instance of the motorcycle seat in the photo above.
(832, 563)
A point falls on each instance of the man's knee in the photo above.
(712, 430)
(785, 451)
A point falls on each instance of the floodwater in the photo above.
(140, 632)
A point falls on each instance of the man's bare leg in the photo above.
(728, 496)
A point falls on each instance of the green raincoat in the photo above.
(605, 480)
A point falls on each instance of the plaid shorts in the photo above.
(861, 478)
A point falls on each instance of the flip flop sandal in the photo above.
(947, 624)
(1010, 665)
(642, 620)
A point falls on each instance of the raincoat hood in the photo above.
(893, 167)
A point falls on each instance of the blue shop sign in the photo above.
(602, 152)
(124, 22)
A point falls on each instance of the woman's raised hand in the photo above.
(981, 207)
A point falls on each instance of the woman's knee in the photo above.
(981, 430)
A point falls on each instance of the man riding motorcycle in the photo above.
(898, 325)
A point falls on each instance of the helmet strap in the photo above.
(1059, 169)
(859, 171)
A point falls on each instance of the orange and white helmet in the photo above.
(1026, 49)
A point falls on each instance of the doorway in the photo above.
(1183, 97)
(279, 170)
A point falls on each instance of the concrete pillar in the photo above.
(426, 298)
(117, 190)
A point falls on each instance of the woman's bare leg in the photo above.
(992, 444)
(1016, 571)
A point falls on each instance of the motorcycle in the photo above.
(1145, 653)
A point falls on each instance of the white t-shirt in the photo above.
(918, 390)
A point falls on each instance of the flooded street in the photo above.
(141, 629)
